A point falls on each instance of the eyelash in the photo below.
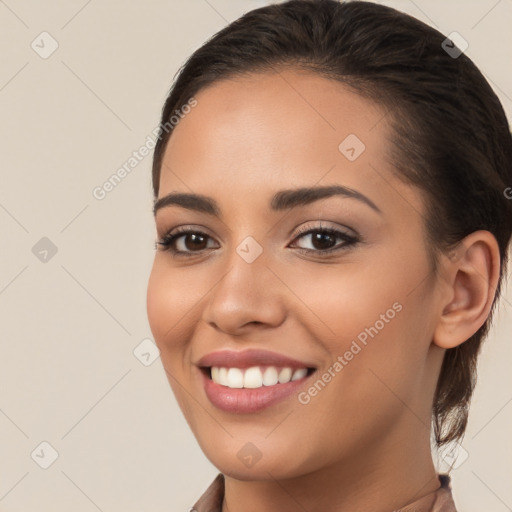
(167, 241)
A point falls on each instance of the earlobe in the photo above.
(472, 275)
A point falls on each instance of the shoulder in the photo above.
(211, 499)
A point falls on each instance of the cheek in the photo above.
(342, 301)
(170, 307)
(171, 299)
(158, 304)
(374, 315)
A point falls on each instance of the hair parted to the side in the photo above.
(451, 138)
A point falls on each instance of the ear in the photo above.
(471, 275)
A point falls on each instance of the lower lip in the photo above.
(247, 400)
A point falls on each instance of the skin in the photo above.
(362, 443)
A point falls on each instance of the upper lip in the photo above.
(249, 357)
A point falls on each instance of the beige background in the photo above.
(69, 326)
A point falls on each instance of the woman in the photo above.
(333, 223)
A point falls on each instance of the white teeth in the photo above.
(298, 374)
(270, 376)
(285, 375)
(235, 378)
(223, 376)
(254, 377)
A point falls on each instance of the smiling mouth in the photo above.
(255, 376)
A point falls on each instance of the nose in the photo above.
(249, 296)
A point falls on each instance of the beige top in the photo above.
(437, 501)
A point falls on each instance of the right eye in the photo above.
(184, 242)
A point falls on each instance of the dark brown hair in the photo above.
(450, 134)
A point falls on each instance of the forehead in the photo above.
(279, 107)
(274, 130)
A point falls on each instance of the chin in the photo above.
(247, 462)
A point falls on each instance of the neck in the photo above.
(389, 475)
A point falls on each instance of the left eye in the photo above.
(324, 240)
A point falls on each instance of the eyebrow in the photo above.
(282, 200)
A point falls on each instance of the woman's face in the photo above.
(252, 277)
